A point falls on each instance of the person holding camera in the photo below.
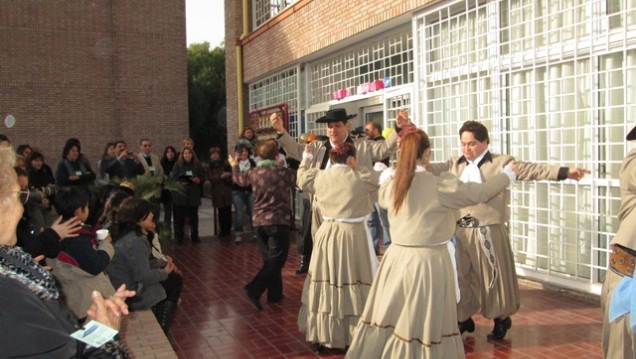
(108, 166)
(34, 238)
(41, 180)
(128, 159)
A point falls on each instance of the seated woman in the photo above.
(80, 264)
(343, 261)
(158, 288)
(411, 311)
(33, 320)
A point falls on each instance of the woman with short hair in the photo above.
(34, 321)
(271, 217)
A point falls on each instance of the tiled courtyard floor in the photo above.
(215, 320)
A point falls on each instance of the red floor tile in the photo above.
(215, 320)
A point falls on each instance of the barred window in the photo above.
(554, 82)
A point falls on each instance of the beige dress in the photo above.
(411, 310)
(618, 339)
(340, 272)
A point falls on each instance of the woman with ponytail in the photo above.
(411, 311)
(343, 260)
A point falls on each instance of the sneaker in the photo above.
(238, 237)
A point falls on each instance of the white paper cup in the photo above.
(102, 234)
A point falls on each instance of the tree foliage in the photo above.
(206, 97)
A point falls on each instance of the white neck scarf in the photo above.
(472, 173)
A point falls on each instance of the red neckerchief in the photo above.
(87, 231)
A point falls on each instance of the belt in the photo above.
(468, 221)
(622, 262)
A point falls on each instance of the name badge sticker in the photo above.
(95, 334)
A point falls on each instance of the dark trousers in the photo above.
(180, 214)
(173, 286)
(305, 243)
(166, 200)
(225, 220)
(273, 242)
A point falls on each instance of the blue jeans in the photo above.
(242, 200)
(379, 217)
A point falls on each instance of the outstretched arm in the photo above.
(293, 149)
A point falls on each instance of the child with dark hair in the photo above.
(80, 264)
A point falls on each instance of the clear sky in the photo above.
(205, 21)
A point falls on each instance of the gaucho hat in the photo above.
(335, 115)
(631, 135)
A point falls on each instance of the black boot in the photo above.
(164, 311)
(501, 328)
(304, 265)
(467, 325)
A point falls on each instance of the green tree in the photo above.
(206, 97)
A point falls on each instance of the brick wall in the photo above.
(97, 70)
(306, 27)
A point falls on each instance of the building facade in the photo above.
(98, 70)
(554, 81)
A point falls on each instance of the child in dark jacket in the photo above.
(80, 264)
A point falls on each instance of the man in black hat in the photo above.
(619, 286)
(338, 129)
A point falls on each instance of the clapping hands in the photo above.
(109, 311)
(233, 160)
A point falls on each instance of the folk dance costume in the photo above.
(411, 311)
(341, 270)
(618, 296)
(485, 263)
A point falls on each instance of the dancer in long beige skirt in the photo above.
(411, 311)
(343, 261)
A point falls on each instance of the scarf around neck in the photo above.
(20, 266)
(267, 163)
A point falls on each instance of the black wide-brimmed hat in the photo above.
(335, 115)
(631, 135)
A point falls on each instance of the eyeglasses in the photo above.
(24, 195)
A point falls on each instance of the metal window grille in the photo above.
(389, 57)
(279, 88)
(554, 83)
(264, 10)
